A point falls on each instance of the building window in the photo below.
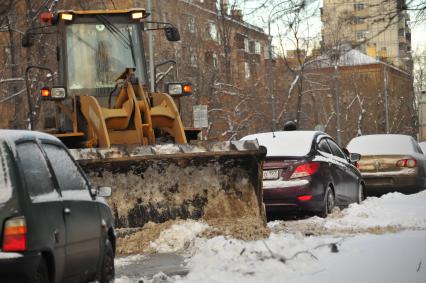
(7, 55)
(359, 6)
(193, 57)
(359, 20)
(361, 35)
(257, 47)
(246, 45)
(191, 24)
(213, 32)
(214, 60)
(239, 41)
(246, 70)
(211, 59)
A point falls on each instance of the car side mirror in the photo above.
(27, 40)
(355, 157)
(172, 33)
(103, 191)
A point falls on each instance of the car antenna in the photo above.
(273, 133)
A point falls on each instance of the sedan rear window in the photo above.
(286, 143)
(5, 181)
(382, 144)
(36, 173)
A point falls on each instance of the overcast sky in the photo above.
(260, 18)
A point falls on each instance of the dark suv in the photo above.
(54, 226)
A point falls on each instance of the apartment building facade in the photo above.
(379, 28)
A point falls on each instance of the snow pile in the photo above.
(344, 252)
(157, 278)
(394, 209)
(291, 258)
(178, 237)
(294, 257)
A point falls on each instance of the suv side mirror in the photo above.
(172, 33)
(103, 191)
(355, 157)
(27, 40)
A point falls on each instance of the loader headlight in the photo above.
(53, 93)
(137, 15)
(179, 89)
(66, 16)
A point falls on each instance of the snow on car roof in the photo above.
(285, 143)
(382, 144)
(18, 134)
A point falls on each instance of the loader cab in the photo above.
(96, 48)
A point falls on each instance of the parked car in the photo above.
(307, 171)
(390, 163)
(55, 227)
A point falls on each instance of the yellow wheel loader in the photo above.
(132, 139)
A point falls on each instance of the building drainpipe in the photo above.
(270, 91)
(385, 81)
(151, 52)
(336, 85)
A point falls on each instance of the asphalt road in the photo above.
(146, 267)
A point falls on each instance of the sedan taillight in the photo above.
(410, 163)
(15, 235)
(304, 170)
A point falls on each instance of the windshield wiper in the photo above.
(132, 49)
(116, 32)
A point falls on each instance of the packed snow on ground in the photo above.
(381, 240)
(178, 237)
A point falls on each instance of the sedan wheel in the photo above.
(107, 271)
(329, 203)
(42, 274)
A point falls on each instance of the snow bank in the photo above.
(394, 209)
(294, 257)
(178, 237)
(344, 254)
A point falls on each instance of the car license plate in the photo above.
(270, 174)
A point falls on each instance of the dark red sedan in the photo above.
(306, 171)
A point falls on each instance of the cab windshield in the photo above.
(99, 53)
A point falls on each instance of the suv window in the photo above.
(36, 173)
(336, 149)
(323, 146)
(5, 180)
(71, 182)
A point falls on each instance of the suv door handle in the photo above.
(67, 210)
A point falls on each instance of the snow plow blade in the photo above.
(210, 181)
